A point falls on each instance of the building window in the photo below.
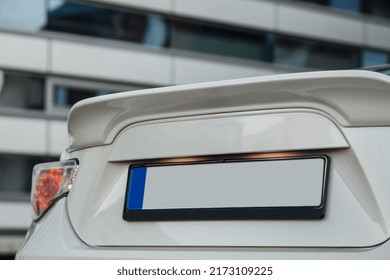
(373, 58)
(64, 93)
(206, 38)
(380, 8)
(172, 32)
(15, 174)
(315, 55)
(96, 21)
(346, 5)
(21, 91)
(162, 31)
(66, 97)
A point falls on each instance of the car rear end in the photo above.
(293, 166)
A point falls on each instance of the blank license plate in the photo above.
(292, 188)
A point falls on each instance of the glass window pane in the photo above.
(379, 8)
(96, 21)
(66, 96)
(221, 41)
(374, 58)
(346, 5)
(15, 173)
(156, 31)
(315, 55)
(22, 91)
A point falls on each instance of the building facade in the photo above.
(54, 53)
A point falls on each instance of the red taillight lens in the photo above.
(50, 181)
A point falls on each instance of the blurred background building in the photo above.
(54, 53)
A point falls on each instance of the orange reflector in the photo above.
(51, 181)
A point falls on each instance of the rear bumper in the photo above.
(54, 238)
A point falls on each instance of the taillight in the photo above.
(50, 181)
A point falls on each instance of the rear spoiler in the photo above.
(352, 98)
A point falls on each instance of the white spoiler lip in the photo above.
(353, 98)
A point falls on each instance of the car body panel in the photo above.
(352, 201)
(343, 116)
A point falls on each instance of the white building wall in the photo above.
(326, 25)
(378, 35)
(32, 136)
(21, 212)
(57, 137)
(24, 52)
(23, 135)
(110, 63)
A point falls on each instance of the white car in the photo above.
(293, 166)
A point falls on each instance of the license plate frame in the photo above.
(133, 212)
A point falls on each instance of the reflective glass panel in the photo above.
(346, 5)
(373, 58)
(21, 91)
(222, 41)
(65, 96)
(379, 8)
(315, 55)
(108, 23)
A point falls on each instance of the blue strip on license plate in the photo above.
(137, 188)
